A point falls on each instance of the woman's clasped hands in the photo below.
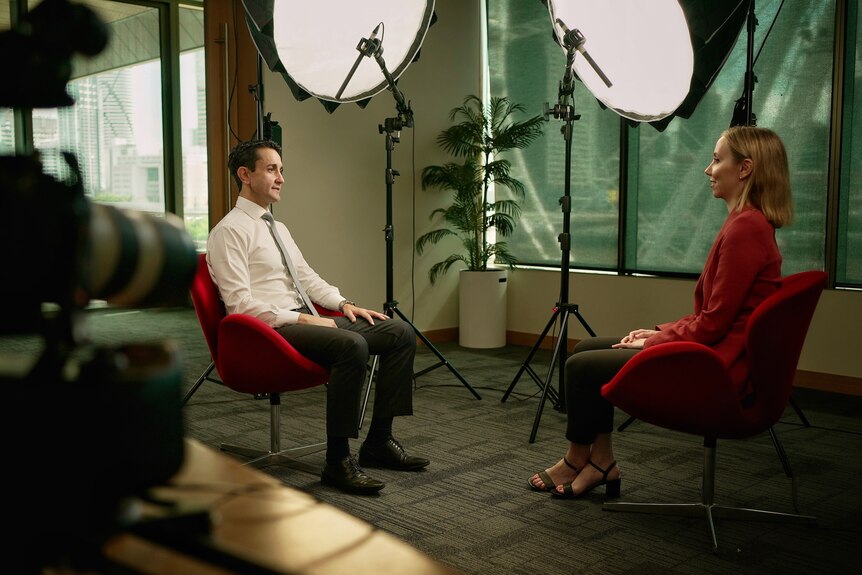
(635, 339)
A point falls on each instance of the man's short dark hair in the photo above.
(245, 154)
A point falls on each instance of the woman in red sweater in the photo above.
(749, 172)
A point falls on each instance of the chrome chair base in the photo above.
(259, 458)
(706, 508)
(710, 512)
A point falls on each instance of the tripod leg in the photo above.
(584, 322)
(204, 377)
(526, 364)
(372, 372)
(573, 308)
(561, 343)
(626, 423)
(443, 360)
(782, 455)
(798, 411)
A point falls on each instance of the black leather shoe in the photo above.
(347, 476)
(390, 455)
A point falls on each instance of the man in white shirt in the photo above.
(246, 263)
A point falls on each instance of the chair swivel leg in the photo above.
(277, 456)
(707, 508)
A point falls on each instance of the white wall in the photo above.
(613, 305)
(335, 200)
(334, 205)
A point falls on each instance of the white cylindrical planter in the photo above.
(482, 308)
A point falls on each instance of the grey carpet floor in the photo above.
(472, 508)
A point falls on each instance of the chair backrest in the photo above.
(685, 386)
(775, 334)
(253, 357)
(208, 305)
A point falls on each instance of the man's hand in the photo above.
(351, 312)
(308, 319)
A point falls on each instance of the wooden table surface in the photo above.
(257, 524)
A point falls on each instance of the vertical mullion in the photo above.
(169, 40)
(833, 191)
(851, 107)
(22, 118)
(629, 211)
(623, 186)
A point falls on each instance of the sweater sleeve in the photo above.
(742, 254)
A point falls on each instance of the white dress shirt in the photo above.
(246, 265)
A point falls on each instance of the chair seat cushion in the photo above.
(254, 358)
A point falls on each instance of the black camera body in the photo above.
(92, 427)
(82, 449)
(38, 53)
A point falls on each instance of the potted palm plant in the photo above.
(483, 133)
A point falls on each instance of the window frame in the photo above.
(842, 104)
(169, 48)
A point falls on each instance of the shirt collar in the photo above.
(253, 210)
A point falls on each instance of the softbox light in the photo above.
(313, 45)
(661, 56)
(714, 28)
(642, 47)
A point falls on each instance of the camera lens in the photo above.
(137, 259)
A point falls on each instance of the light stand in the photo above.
(372, 47)
(267, 129)
(256, 91)
(573, 41)
(743, 112)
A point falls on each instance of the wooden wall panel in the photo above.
(231, 67)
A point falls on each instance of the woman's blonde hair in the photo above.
(768, 186)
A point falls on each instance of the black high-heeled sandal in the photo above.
(546, 479)
(612, 487)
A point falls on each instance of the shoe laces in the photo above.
(355, 465)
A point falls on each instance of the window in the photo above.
(526, 65)
(194, 124)
(117, 127)
(7, 131)
(671, 218)
(849, 265)
(676, 219)
(7, 119)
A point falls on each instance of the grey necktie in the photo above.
(287, 262)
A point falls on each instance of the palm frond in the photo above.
(509, 207)
(516, 187)
(432, 237)
(519, 134)
(441, 268)
(503, 223)
(479, 134)
(501, 255)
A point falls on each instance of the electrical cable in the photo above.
(235, 73)
(413, 236)
(774, 20)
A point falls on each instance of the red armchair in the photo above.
(685, 387)
(251, 357)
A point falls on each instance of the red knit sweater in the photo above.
(742, 269)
